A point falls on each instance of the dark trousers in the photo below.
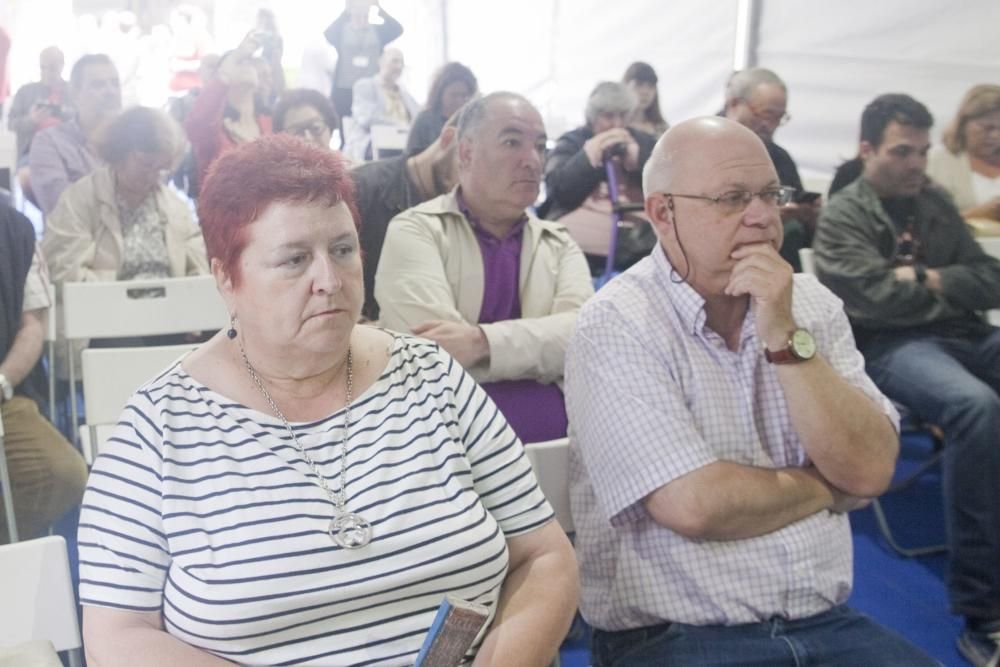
(955, 384)
(839, 637)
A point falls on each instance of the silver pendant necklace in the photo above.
(347, 529)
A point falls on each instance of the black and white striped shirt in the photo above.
(203, 509)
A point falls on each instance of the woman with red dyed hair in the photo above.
(302, 489)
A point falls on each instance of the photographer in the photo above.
(39, 105)
(575, 171)
(233, 107)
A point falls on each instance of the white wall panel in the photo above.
(837, 57)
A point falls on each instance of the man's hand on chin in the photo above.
(761, 273)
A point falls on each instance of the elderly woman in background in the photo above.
(233, 107)
(968, 165)
(306, 114)
(576, 176)
(453, 86)
(120, 222)
(303, 489)
(646, 116)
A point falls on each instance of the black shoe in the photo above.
(981, 646)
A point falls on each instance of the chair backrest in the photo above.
(141, 307)
(550, 461)
(807, 258)
(38, 600)
(388, 140)
(110, 376)
(50, 351)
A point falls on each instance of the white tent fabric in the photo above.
(835, 57)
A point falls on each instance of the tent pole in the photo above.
(747, 34)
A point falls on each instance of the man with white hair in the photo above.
(758, 99)
(39, 105)
(722, 427)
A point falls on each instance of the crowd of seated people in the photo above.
(401, 328)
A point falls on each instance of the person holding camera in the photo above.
(233, 107)
(576, 174)
(39, 105)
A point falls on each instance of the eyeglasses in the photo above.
(313, 129)
(985, 126)
(768, 115)
(735, 201)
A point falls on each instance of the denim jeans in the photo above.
(955, 384)
(840, 636)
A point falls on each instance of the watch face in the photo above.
(803, 345)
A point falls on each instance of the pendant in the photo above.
(350, 531)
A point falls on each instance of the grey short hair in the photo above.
(475, 111)
(658, 171)
(609, 97)
(742, 84)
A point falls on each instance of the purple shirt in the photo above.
(534, 410)
(58, 156)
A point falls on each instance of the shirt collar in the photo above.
(477, 225)
(686, 302)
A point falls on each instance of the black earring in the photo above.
(232, 328)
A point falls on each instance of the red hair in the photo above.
(243, 182)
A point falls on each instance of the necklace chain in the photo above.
(338, 498)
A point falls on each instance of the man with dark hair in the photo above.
(495, 286)
(914, 283)
(60, 155)
(757, 98)
(386, 188)
(47, 474)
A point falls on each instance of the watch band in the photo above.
(800, 347)
(921, 272)
(784, 356)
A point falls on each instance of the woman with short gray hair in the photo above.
(576, 169)
(121, 222)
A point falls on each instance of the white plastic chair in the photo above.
(50, 350)
(38, 602)
(137, 308)
(110, 376)
(550, 460)
(388, 140)
(991, 245)
(807, 258)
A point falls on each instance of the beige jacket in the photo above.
(83, 235)
(954, 174)
(431, 268)
(83, 239)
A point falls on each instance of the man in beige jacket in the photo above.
(496, 287)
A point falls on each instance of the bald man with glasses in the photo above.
(722, 426)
